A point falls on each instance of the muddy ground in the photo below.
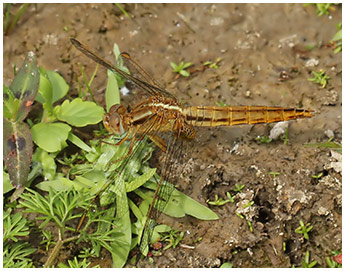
(264, 62)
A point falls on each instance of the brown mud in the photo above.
(264, 62)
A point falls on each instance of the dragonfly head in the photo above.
(114, 120)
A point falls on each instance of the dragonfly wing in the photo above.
(143, 80)
(170, 171)
(140, 73)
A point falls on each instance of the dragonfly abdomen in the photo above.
(211, 116)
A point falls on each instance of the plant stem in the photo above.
(57, 248)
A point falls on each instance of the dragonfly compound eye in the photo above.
(114, 124)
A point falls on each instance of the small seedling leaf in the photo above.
(174, 66)
(184, 73)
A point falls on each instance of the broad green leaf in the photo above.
(50, 137)
(61, 183)
(17, 143)
(79, 113)
(112, 93)
(25, 85)
(180, 205)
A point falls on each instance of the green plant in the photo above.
(15, 252)
(11, 21)
(221, 103)
(306, 262)
(318, 176)
(263, 139)
(47, 239)
(320, 77)
(226, 265)
(76, 264)
(90, 171)
(337, 40)
(286, 140)
(180, 68)
(322, 8)
(17, 102)
(213, 65)
(238, 187)
(219, 201)
(274, 174)
(304, 229)
(326, 144)
(335, 260)
(123, 10)
(173, 237)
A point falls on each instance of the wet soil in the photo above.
(264, 62)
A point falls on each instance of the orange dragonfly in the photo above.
(162, 113)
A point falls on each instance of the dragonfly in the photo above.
(161, 113)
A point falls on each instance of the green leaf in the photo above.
(186, 65)
(78, 142)
(112, 93)
(10, 103)
(48, 163)
(14, 225)
(17, 143)
(180, 205)
(184, 73)
(122, 245)
(79, 113)
(59, 85)
(337, 36)
(139, 181)
(25, 85)
(50, 137)
(174, 66)
(7, 186)
(226, 265)
(45, 91)
(61, 184)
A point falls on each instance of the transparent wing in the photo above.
(140, 73)
(170, 171)
(142, 82)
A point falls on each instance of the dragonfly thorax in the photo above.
(114, 120)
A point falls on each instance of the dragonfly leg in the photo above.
(130, 149)
(162, 146)
(118, 143)
(159, 142)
